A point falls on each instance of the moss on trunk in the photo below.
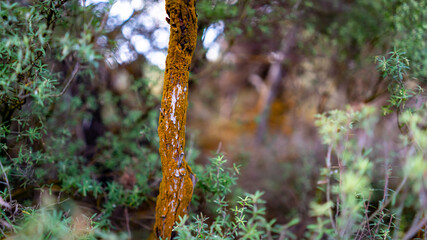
(176, 188)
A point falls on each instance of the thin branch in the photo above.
(361, 230)
(414, 229)
(143, 225)
(366, 214)
(70, 80)
(387, 202)
(56, 203)
(328, 186)
(274, 77)
(127, 223)
(5, 178)
(389, 223)
(386, 178)
(218, 150)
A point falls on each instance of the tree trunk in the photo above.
(176, 187)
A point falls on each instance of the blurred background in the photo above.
(261, 72)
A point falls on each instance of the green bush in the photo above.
(49, 90)
(356, 206)
(243, 220)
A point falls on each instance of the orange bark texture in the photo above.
(176, 188)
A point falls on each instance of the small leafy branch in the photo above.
(394, 66)
(244, 220)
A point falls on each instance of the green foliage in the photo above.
(213, 11)
(50, 222)
(408, 19)
(45, 48)
(416, 139)
(216, 180)
(353, 177)
(351, 27)
(243, 220)
(28, 39)
(363, 23)
(350, 210)
(353, 183)
(394, 67)
(336, 124)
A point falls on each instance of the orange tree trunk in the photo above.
(176, 187)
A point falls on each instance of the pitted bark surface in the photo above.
(176, 188)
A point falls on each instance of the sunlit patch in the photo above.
(125, 54)
(158, 14)
(174, 99)
(161, 38)
(127, 31)
(122, 10)
(210, 40)
(89, 2)
(146, 21)
(140, 43)
(212, 33)
(157, 58)
(137, 4)
(154, 18)
(213, 52)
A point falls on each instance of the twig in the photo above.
(396, 224)
(127, 223)
(414, 229)
(366, 214)
(6, 179)
(60, 3)
(389, 223)
(72, 77)
(143, 225)
(4, 204)
(379, 222)
(218, 150)
(387, 202)
(190, 148)
(366, 205)
(56, 203)
(386, 178)
(328, 185)
(296, 5)
(425, 231)
(274, 77)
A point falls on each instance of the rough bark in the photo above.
(176, 188)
